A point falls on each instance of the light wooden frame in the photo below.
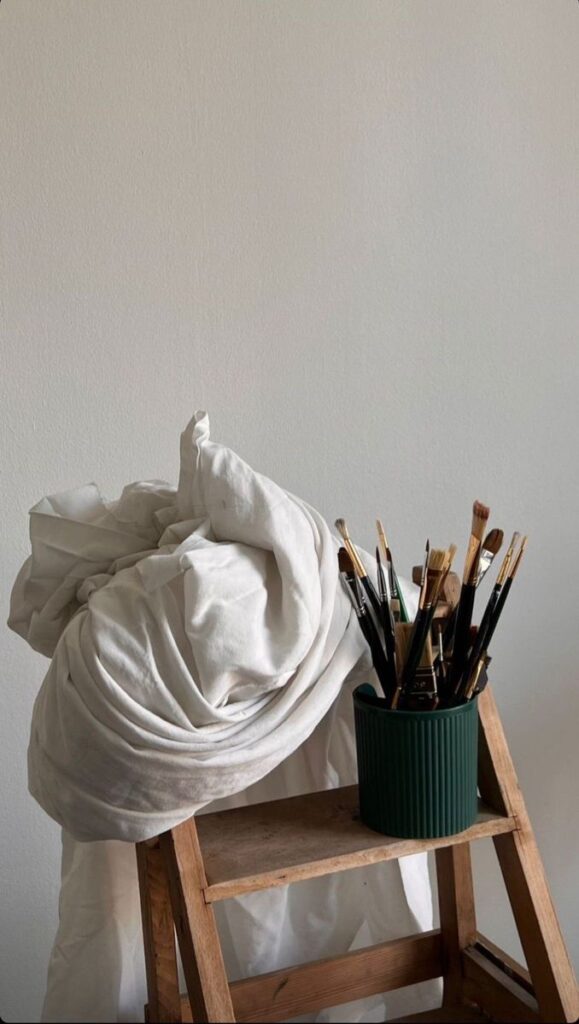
(216, 856)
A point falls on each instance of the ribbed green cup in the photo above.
(417, 770)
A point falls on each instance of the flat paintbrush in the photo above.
(461, 638)
(437, 565)
(490, 546)
(425, 688)
(359, 567)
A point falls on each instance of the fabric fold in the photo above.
(197, 636)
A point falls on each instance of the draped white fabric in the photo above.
(198, 637)
(96, 971)
(201, 647)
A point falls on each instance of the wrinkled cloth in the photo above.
(197, 637)
(201, 648)
(96, 971)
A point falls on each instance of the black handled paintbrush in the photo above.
(461, 638)
(388, 627)
(494, 616)
(359, 567)
(488, 550)
(436, 568)
(397, 604)
(480, 643)
(491, 545)
(366, 623)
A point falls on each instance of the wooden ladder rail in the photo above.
(476, 974)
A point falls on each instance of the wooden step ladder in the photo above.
(213, 857)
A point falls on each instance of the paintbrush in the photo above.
(387, 617)
(435, 571)
(490, 546)
(348, 577)
(369, 631)
(461, 638)
(494, 618)
(397, 604)
(423, 692)
(423, 574)
(440, 664)
(358, 566)
(480, 643)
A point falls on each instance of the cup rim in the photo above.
(359, 698)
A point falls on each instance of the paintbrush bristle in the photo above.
(345, 563)
(342, 529)
(480, 514)
(514, 541)
(508, 559)
(450, 555)
(357, 563)
(518, 558)
(382, 534)
(493, 541)
(437, 559)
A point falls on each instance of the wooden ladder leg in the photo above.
(547, 958)
(164, 1005)
(201, 953)
(457, 915)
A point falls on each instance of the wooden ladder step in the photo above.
(255, 847)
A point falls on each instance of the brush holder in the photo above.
(417, 770)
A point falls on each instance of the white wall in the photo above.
(350, 230)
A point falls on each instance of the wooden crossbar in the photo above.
(307, 988)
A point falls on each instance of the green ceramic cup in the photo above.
(417, 770)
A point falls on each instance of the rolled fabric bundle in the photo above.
(197, 636)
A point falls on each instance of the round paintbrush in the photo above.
(359, 567)
(396, 597)
(387, 620)
(383, 670)
(486, 634)
(481, 642)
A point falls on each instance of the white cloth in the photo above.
(97, 970)
(198, 638)
(200, 645)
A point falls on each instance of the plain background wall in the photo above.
(349, 229)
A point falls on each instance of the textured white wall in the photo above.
(350, 230)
